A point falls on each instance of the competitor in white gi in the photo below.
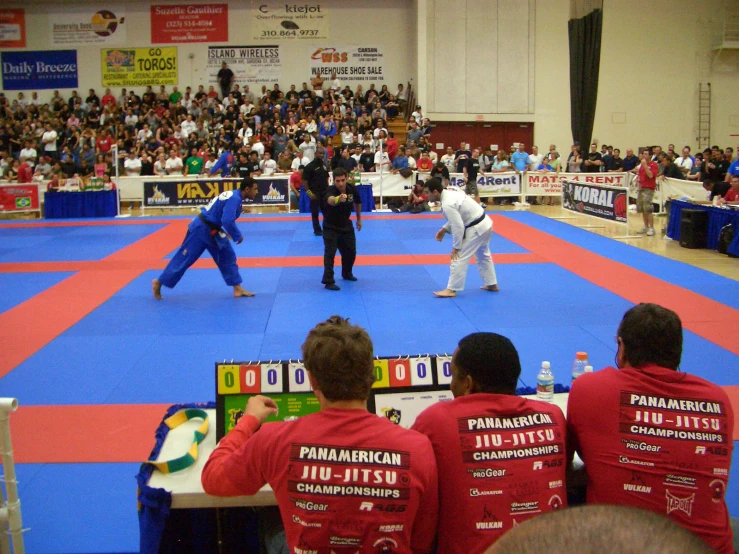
(471, 231)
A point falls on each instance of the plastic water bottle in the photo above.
(545, 383)
(588, 369)
(579, 365)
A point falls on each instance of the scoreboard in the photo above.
(403, 388)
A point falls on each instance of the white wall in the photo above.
(652, 60)
(388, 23)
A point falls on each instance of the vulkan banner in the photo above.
(178, 194)
(596, 200)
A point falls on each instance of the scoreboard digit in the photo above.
(400, 373)
(271, 378)
(250, 377)
(382, 377)
(228, 379)
(297, 377)
(420, 369)
(444, 370)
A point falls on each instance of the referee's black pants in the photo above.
(316, 206)
(346, 243)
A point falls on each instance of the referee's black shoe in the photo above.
(332, 286)
(349, 277)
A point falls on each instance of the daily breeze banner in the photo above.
(189, 23)
(351, 63)
(271, 20)
(13, 28)
(39, 70)
(136, 67)
(597, 200)
(250, 64)
(179, 194)
(19, 198)
(81, 26)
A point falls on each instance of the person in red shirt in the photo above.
(104, 142)
(732, 195)
(391, 146)
(341, 464)
(108, 99)
(25, 172)
(647, 178)
(424, 164)
(654, 437)
(296, 183)
(501, 457)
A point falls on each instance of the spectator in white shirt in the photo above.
(258, 147)
(534, 159)
(160, 166)
(448, 159)
(685, 162)
(174, 164)
(30, 153)
(382, 161)
(335, 83)
(49, 139)
(189, 126)
(268, 165)
(308, 148)
(144, 134)
(298, 160)
(132, 165)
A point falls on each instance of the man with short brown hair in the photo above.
(342, 464)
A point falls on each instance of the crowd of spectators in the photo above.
(168, 132)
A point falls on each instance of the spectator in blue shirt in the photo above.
(520, 158)
(401, 161)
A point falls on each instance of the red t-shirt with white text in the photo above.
(656, 439)
(501, 459)
(645, 181)
(345, 480)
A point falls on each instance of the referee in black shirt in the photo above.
(315, 180)
(338, 231)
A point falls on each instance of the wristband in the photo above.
(337, 199)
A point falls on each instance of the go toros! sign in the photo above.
(136, 67)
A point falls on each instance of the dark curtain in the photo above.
(585, 35)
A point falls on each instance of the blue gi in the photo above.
(224, 163)
(221, 213)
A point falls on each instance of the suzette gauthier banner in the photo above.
(189, 23)
(597, 200)
(136, 67)
(39, 70)
(185, 193)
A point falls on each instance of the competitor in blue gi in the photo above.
(211, 230)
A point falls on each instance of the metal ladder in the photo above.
(704, 116)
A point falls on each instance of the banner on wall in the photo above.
(39, 70)
(250, 64)
(19, 198)
(540, 184)
(597, 200)
(135, 67)
(272, 20)
(13, 28)
(179, 194)
(189, 23)
(500, 184)
(81, 26)
(351, 63)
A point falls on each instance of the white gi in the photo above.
(460, 210)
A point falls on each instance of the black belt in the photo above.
(478, 220)
(214, 229)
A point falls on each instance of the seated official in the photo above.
(342, 464)
(501, 457)
(716, 188)
(654, 437)
(732, 195)
(597, 530)
(417, 201)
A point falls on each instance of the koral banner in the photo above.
(540, 184)
(597, 200)
(189, 23)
